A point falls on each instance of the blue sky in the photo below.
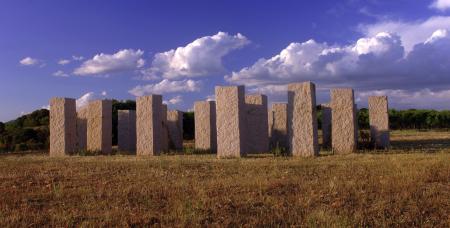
(182, 49)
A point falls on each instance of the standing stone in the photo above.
(256, 124)
(343, 111)
(326, 125)
(279, 129)
(99, 125)
(63, 130)
(148, 125)
(82, 117)
(126, 130)
(165, 130)
(379, 121)
(205, 125)
(175, 126)
(230, 111)
(302, 119)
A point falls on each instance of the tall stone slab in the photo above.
(165, 130)
(279, 126)
(175, 126)
(148, 125)
(126, 130)
(302, 120)
(82, 117)
(99, 126)
(326, 125)
(379, 121)
(344, 129)
(230, 113)
(205, 125)
(63, 130)
(256, 124)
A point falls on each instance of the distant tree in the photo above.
(2, 128)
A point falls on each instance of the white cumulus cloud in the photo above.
(60, 73)
(440, 4)
(201, 57)
(88, 97)
(28, 61)
(175, 100)
(123, 60)
(63, 61)
(166, 86)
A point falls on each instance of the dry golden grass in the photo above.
(372, 189)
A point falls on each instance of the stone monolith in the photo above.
(175, 126)
(82, 117)
(165, 130)
(126, 130)
(257, 140)
(99, 126)
(379, 121)
(326, 125)
(63, 129)
(279, 126)
(148, 125)
(205, 125)
(344, 130)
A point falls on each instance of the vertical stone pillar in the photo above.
(256, 124)
(379, 121)
(63, 130)
(99, 125)
(302, 119)
(165, 130)
(175, 126)
(126, 130)
(343, 121)
(82, 117)
(326, 125)
(279, 129)
(148, 125)
(230, 106)
(205, 125)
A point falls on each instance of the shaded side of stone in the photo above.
(279, 129)
(164, 129)
(326, 125)
(148, 125)
(126, 130)
(230, 113)
(82, 117)
(344, 131)
(63, 130)
(302, 120)
(205, 125)
(256, 124)
(99, 126)
(379, 121)
(175, 126)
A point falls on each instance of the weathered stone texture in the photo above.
(165, 130)
(148, 125)
(63, 129)
(326, 125)
(126, 130)
(175, 126)
(344, 130)
(99, 126)
(279, 126)
(205, 125)
(256, 124)
(302, 119)
(230, 113)
(379, 121)
(82, 117)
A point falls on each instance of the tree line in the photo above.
(31, 131)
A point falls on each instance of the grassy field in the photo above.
(407, 186)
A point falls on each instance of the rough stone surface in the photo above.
(148, 125)
(302, 120)
(99, 126)
(326, 125)
(175, 126)
(63, 130)
(279, 126)
(205, 125)
(344, 131)
(126, 130)
(165, 130)
(379, 121)
(82, 117)
(256, 124)
(230, 113)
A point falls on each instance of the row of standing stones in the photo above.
(232, 126)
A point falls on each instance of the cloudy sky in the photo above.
(89, 50)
